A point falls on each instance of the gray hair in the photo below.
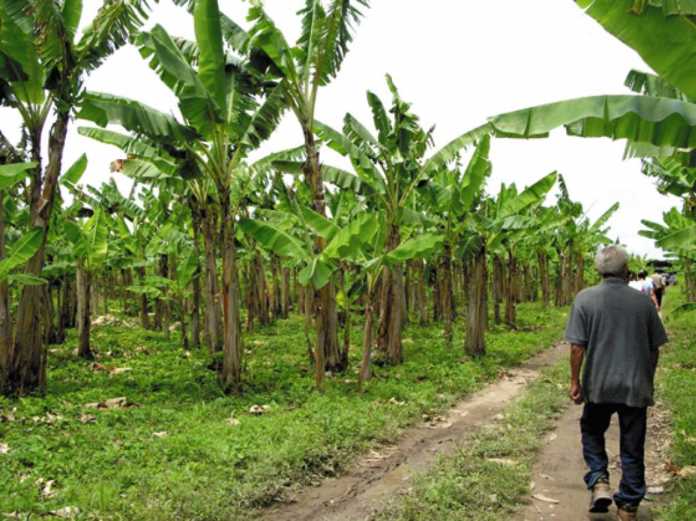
(612, 260)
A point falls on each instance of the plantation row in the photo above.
(212, 243)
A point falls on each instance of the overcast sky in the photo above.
(458, 62)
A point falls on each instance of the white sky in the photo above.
(458, 62)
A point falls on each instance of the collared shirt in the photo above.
(619, 328)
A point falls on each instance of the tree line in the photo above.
(215, 243)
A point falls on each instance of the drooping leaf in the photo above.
(25, 279)
(134, 116)
(417, 247)
(21, 252)
(273, 239)
(316, 274)
(666, 43)
(73, 174)
(115, 22)
(532, 195)
(349, 242)
(604, 218)
(13, 173)
(320, 224)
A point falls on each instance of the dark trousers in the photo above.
(632, 421)
(659, 293)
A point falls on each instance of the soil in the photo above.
(382, 474)
(558, 472)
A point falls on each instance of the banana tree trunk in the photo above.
(5, 318)
(391, 312)
(327, 354)
(543, 261)
(445, 292)
(84, 313)
(144, 304)
(196, 283)
(213, 309)
(511, 291)
(285, 294)
(421, 293)
(567, 280)
(364, 374)
(27, 357)
(231, 372)
(261, 294)
(476, 310)
(579, 272)
(498, 287)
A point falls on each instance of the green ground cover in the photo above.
(677, 386)
(485, 480)
(186, 451)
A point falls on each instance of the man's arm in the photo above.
(577, 355)
(654, 359)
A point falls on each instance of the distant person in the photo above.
(658, 283)
(617, 332)
(634, 282)
(645, 286)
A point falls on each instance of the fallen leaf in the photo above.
(8, 416)
(87, 418)
(232, 421)
(119, 370)
(46, 487)
(258, 410)
(687, 472)
(66, 512)
(112, 403)
(545, 499)
(160, 434)
(552, 437)
(502, 461)
(4, 448)
(394, 401)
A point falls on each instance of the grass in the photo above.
(175, 454)
(677, 386)
(472, 485)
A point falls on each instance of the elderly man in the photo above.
(617, 332)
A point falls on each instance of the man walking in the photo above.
(617, 332)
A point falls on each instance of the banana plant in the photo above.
(90, 240)
(229, 107)
(453, 194)
(312, 62)
(496, 229)
(390, 165)
(44, 60)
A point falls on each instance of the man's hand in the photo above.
(577, 354)
(576, 392)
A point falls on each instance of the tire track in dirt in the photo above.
(379, 476)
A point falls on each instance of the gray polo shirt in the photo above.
(619, 328)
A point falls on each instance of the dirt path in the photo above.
(377, 477)
(560, 468)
